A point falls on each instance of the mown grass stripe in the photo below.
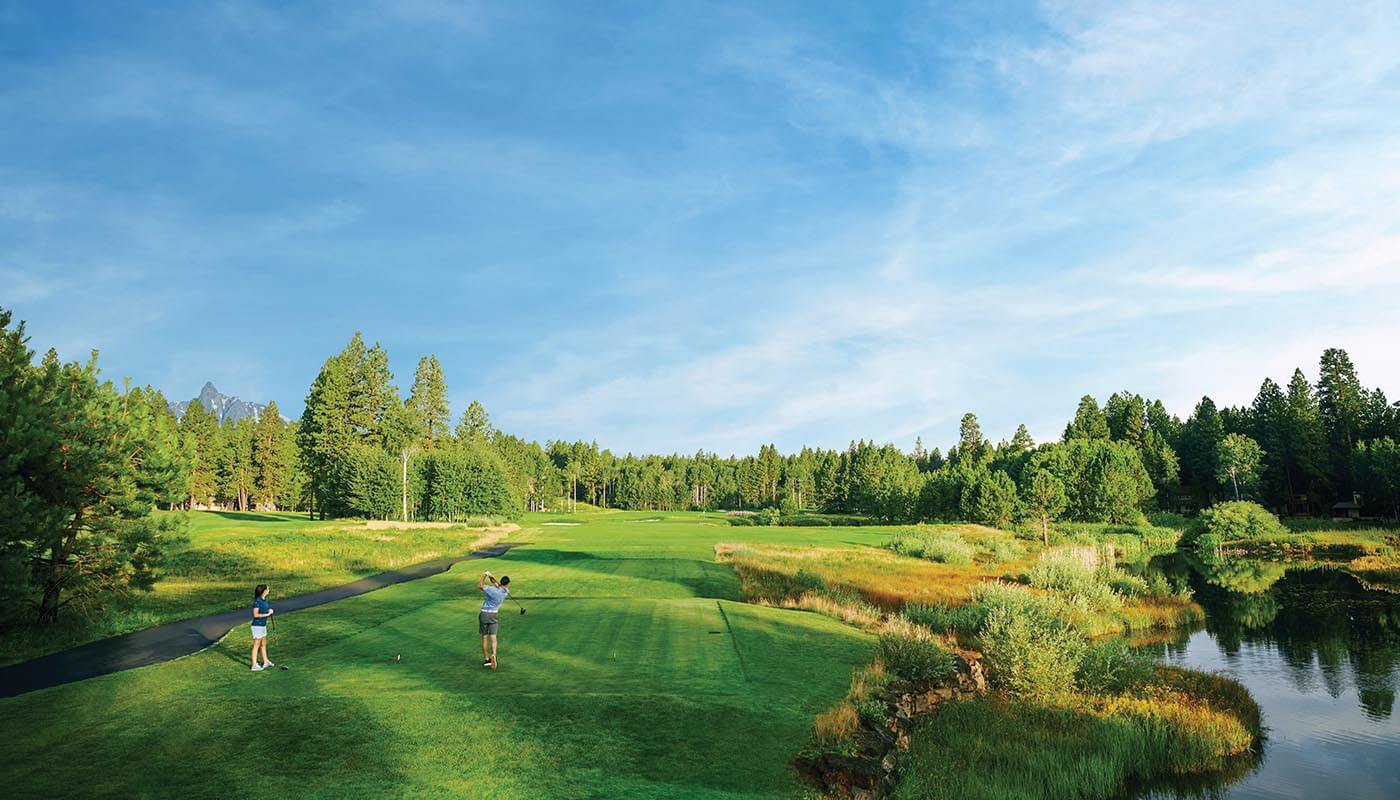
(743, 668)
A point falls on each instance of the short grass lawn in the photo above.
(637, 673)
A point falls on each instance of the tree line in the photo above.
(83, 463)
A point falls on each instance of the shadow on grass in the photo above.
(596, 737)
(253, 516)
(698, 578)
(136, 736)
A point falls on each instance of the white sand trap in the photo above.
(561, 523)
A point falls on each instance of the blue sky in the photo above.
(668, 226)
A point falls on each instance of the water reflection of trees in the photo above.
(1323, 624)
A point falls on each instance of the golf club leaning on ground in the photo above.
(271, 626)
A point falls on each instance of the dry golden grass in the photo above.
(882, 578)
(837, 724)
(858, 616)
(867, 683)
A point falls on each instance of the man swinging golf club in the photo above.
(496, 593)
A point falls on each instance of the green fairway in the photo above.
(636, 673)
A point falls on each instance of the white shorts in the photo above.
(259, 631)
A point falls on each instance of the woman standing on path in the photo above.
(261, 613)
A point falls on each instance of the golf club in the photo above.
(271, 624)
(517, 602)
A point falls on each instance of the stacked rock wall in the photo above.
(870, 772)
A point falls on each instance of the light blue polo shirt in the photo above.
(495, 595)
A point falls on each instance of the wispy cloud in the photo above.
(668, 232)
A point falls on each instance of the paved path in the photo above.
(175, 639)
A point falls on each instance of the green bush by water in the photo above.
(1031, 641)
(916, 658)
(944, 618)
(1112, 666)
(1236, 520)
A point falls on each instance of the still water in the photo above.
(1321, 655)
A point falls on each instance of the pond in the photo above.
(1321, 655)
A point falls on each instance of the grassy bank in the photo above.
(999, 748)
(226, 553)
(1074, 712)
(1372, 554)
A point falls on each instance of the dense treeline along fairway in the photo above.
(637, 673)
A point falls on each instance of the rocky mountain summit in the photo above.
(222, 406)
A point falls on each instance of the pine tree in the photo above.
(1089, 422)
(81, 468)
(200, 430)
(236, 471)
(271, 459)
(1127, 418)
(1021, 441)
(1340, 402)
(347, 406)
(972, 448)
(1044, 498)
(1269, 409)
(1304, 443)
(428, 401)
(475, 424)
(1200, 438)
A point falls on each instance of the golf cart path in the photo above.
(175, 639)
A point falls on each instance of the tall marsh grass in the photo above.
(998, 748)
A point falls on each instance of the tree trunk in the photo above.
(1045, 529)
(404, 485)
(1235, 481)
(58, 558)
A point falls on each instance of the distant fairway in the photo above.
(636, 673)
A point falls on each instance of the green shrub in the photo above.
(906, 544)
(1169, 519)
(1005, 549)
(1159, 586)
(1032, 643)
(1208, 545)
(1062, 572)
(916, 658)
(805, 580)
(872, 712)
(1239, 519)
(945, 547)
(1113, 666)
(1124, 583)
(741, 522)
(943, 618)
(768, 516)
